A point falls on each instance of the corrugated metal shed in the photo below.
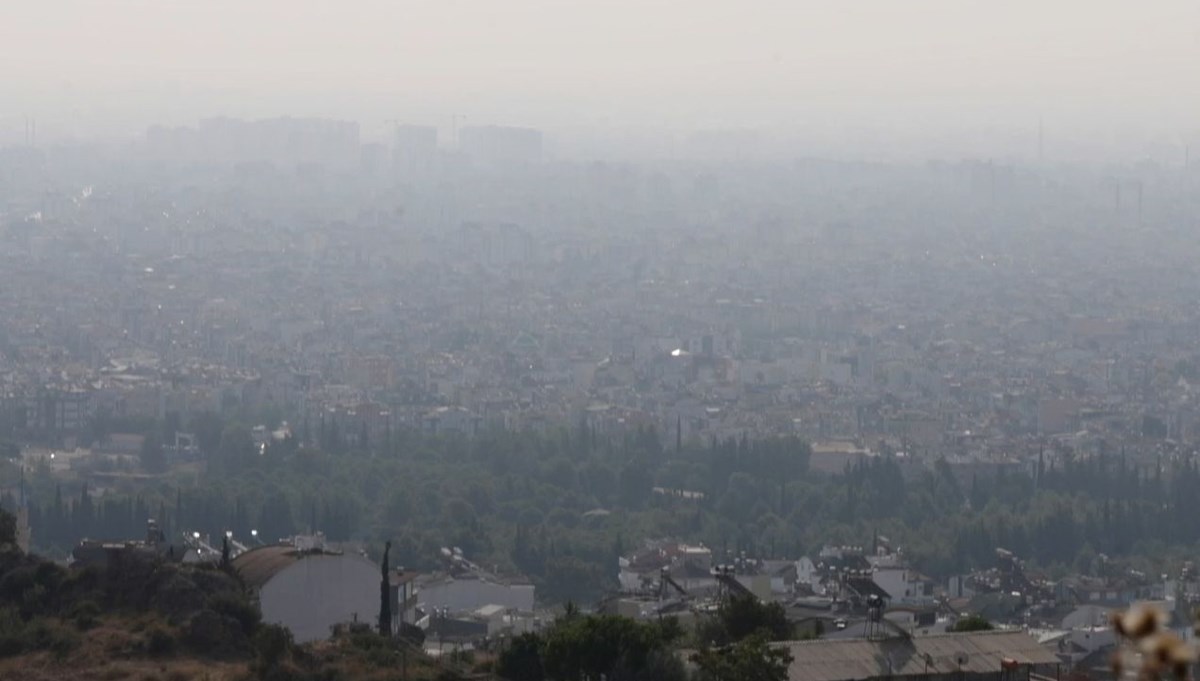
(972, 653)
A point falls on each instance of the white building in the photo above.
(806, 572)
(902, 584)
(310, 591)
(469, 593)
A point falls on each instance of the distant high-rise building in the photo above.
(415, 148)
(374, 159)
(495, 144)
(289, 141)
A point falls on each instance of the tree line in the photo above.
(561, 506)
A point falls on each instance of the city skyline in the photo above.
(1101, 73)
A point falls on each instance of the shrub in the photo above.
(238, 608)
(284, 672)
(49, 575)
(160, 642)
(272, 644)
(45, 634)
(63, 643)
(16, 583)
(82, 584)
(85, 614)
(972, 623)
(463, 657)
(12, 632)
(11, 645)
(367, 639)
(177, 597)
(207, 634)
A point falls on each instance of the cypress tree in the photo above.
(385, 595)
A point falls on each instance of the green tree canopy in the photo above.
(602, 644)
(522, 659)
(8, 528)
(752, 659)
(972, 623)
(742, 616)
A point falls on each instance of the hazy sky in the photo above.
(658, 62)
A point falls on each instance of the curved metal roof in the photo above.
(258, 565)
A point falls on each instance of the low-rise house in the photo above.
(469, 592)
(903, 585)
(1087, 651)
(110, 553)
(404, 597)
(1086, 616)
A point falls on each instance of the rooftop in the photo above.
(977, 653)
(257, 566)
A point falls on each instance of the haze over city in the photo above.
(982, 73)
(630, 341)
